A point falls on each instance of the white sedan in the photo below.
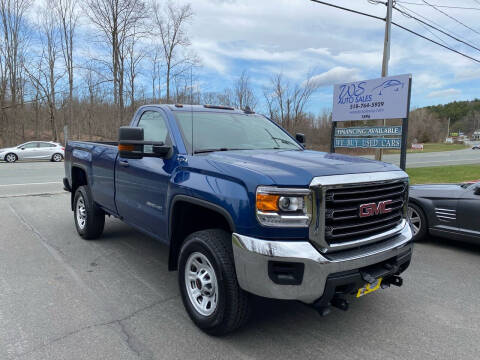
(33, 150)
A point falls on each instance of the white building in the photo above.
(476, 135)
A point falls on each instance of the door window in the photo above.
(154, 128)
(30, 145)
(46, 145)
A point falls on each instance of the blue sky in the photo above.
(298, 38)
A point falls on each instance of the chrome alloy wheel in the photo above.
(201, 284)
(57, 157)
(11, 158)
(415, 220)
(81, 213)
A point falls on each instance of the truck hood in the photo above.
(291, 167)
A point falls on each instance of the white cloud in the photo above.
(427, 81)
(467, 73)
(447, 93)
(336, 75)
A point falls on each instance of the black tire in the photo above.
(10, 156)
(422, 224)
(93, 216)
(56, 157)
(233, 304)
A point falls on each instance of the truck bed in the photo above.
(99, 159)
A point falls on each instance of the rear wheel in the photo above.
(11, 157)
(89, 218)
(57, 157)
(418, 222)
(208, 283)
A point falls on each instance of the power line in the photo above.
(434, 27)
(435, 42)
(349, 10)
(451, 17)
(441, 6)
(400, 26)
(428, 20)
(431, 32)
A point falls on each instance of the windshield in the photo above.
(219, 131)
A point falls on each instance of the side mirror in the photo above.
(477, 190)
(300, 138)
(130, 141)
(131, 144)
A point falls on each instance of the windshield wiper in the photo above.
(284, 141)
(213, 150)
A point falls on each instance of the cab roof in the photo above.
(203, 108)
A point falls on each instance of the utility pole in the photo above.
(448, 129)
(386, 56)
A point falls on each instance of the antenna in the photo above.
(191, 113)
(191, 105)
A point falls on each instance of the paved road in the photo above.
(457, 157)
(62, 297)
(23, 178)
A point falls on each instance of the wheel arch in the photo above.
(423, 205)
(11, 152)
(189, 214)
(79, 178)
(57, 153)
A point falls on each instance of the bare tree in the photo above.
(170, 24)
(14, 37)
(286, 102)
(244, 95)
(46, 77)
(67, 17)
(134, 57)
(116, 19)
(156, 61)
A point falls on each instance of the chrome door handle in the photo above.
(123, 163)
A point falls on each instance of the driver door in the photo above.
(142, 184)
(468, 210)
(28, 151)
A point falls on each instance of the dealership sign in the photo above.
(369, 143)
(382, 98)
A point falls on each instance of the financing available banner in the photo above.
(382, 98)
(369, 131)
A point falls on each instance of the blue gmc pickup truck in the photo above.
(245, 209)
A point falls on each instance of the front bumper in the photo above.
(252, 257)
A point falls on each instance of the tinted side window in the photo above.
(30, 145)
(154, 128)
(46, 145)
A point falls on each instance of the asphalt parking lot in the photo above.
(62, 297)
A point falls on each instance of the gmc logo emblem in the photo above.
(375, 209)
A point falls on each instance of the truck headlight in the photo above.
(283, 207)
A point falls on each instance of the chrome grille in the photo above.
(342, 210)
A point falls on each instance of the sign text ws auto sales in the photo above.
(383, 98)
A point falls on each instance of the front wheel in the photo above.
(11, 158)
(418, 222)
(57, 157)
(89, 218)
(208, 283)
